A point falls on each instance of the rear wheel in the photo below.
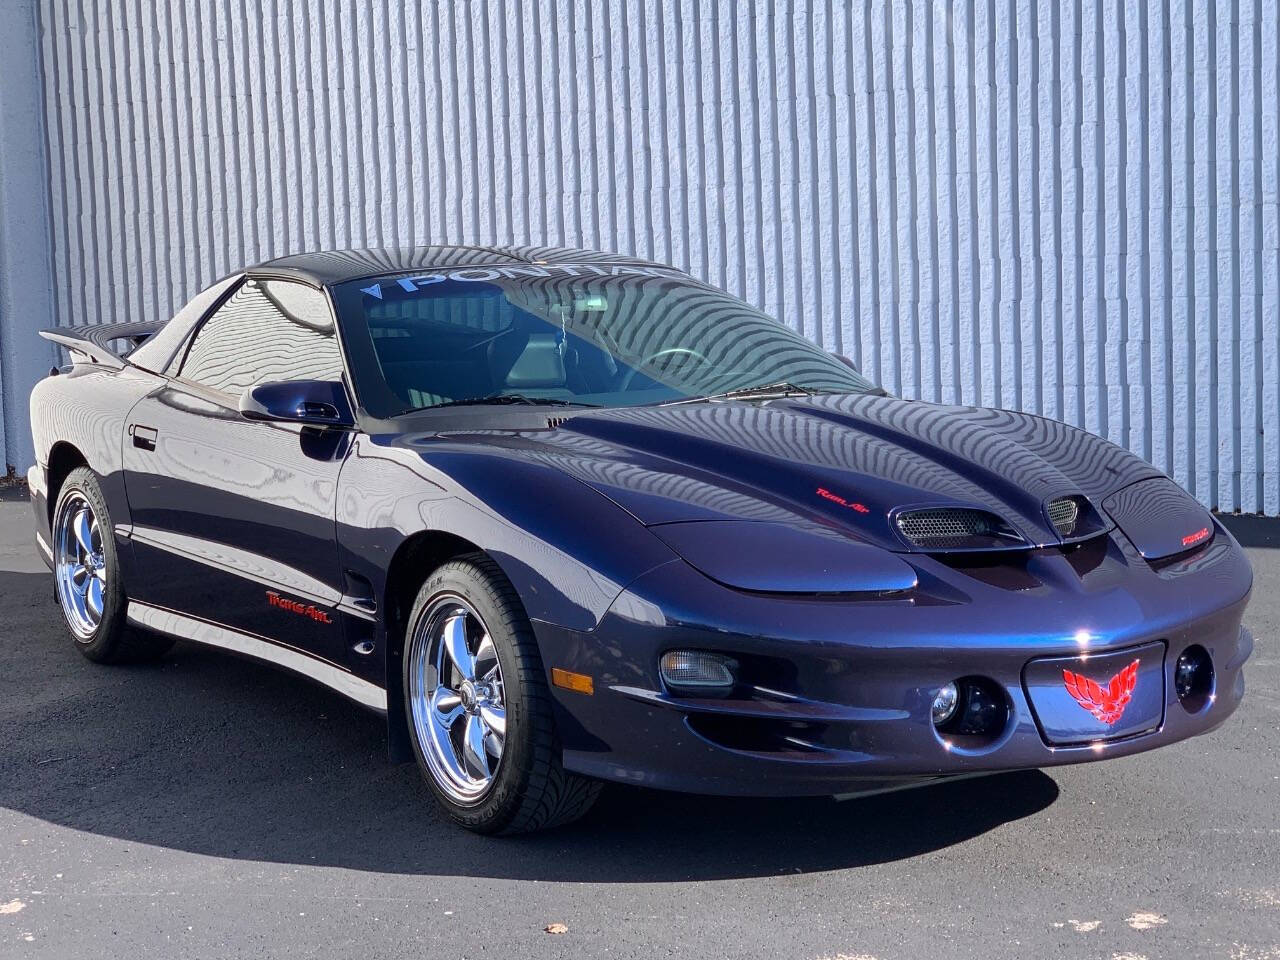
(478, 707)
(87, 576)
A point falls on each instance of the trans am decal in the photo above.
(826, 494)
(298, 607)
(1107, 703)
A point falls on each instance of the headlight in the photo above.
(1160, 518)
(773, 557)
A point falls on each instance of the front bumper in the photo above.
(840, 692)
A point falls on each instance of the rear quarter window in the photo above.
(268, 330)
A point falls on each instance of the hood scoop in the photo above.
(1064, 514)
(956, 528)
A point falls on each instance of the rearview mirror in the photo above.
(316, 403)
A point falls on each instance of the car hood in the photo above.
(841, 464)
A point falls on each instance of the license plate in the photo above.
(1091, 697)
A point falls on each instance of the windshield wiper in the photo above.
(764, 391)
(506, 399)
(771, 391)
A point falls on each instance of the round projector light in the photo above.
(944, 704)
(1193, 675)
(697, 670)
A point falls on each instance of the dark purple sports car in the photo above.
(566, 517)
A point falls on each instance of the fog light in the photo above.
(1193, 674)
(984, 713)
(978, 709)
(697, 670)
(944, 704)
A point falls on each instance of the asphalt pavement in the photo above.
(212, 807)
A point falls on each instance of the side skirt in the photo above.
(179, 625)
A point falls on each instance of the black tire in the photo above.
(530, 789)
(113, 640)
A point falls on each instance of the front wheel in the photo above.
(478, 707)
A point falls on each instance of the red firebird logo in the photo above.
(1106, 703)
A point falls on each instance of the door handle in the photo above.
(144, 438)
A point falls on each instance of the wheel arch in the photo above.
(64, 457)
(413, 561)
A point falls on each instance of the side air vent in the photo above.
(1063, 514)
(956, 528)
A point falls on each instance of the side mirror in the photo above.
(314, 403)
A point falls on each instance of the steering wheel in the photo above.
(630, 375)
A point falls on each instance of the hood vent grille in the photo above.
(943, 528)
(1063, 514)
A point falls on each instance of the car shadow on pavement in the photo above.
(225, 757)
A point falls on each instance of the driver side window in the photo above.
(267, 330)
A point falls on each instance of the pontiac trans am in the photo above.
(566, 517)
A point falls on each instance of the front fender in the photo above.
(567, 550)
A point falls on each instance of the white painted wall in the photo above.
(1065, 206)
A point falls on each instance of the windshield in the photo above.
(590, 334)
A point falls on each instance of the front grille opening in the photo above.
(1006, 570)
(939, 528)
(759, 734)
(1064, 514)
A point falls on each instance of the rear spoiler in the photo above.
(93, 342)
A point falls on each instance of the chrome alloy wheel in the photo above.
(80, 565)
(457, 701)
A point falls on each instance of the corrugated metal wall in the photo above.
(1065, 206)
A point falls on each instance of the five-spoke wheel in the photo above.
(80, 564)
(478, 708)
(457, 698)
(88, 576)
